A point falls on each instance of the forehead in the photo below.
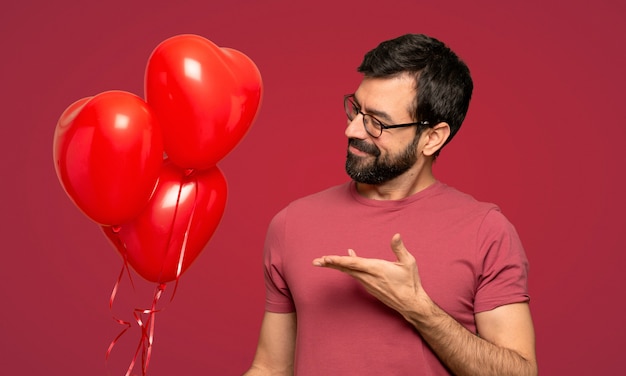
(391, 95)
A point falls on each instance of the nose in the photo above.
(355, 128)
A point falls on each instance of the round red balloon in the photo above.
(178, 222)
(205, 97)
(108, 151)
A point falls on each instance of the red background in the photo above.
(543, 139)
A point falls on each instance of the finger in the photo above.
(326, 260)
(397, 246)
(351, 262)
(320, 261)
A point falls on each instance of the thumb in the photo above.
(397, 246)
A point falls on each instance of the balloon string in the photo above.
(179, 268)
(147, 328)
(117, 320)
(120, 245)
(147, 332)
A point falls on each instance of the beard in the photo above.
(382, 168)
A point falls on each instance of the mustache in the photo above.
(364, 146)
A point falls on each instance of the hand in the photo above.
(397, 284)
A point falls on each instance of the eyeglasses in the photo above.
(373, 126)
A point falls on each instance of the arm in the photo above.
(275, 351)
(506, 345)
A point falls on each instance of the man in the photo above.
(452, 300)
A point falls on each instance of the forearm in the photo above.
(463, 352)
(261, 371)
(275, 351)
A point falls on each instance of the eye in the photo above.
(375, 122)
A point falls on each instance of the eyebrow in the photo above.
(378, 114)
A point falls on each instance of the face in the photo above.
(378, 160)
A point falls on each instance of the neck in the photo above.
(412, 181)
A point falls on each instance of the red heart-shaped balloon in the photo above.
(180, 219)
(205, 97)
(108, 152)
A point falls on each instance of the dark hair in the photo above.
(443, 82)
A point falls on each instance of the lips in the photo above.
(364, 146)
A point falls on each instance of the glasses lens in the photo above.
(372, 126)
(352, 110)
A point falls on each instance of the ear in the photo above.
(435, 137)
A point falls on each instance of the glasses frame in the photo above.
(350, 98)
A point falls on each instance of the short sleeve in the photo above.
(503, 266)
(277, 295)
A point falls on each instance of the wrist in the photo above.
(420, 310)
